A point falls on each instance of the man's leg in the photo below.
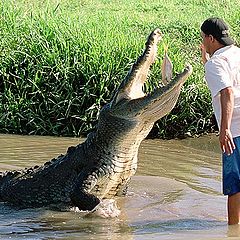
(234, 209)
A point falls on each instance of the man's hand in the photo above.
(205, 55)
(226, 142)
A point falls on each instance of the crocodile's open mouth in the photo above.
(130, 98)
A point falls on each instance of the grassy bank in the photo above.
(60, 61)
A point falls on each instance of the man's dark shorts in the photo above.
(231, 170)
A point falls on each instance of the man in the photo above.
(222, 73)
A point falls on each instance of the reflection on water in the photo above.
(176, 194)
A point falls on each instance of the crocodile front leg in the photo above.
(80, 195)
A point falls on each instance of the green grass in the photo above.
(60, 61)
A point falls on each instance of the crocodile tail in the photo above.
(5, 177)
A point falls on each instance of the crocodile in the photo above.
(100, 167)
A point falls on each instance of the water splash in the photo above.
(107, 208)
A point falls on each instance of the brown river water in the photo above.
(175, 194)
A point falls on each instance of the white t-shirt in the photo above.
(223, 70)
